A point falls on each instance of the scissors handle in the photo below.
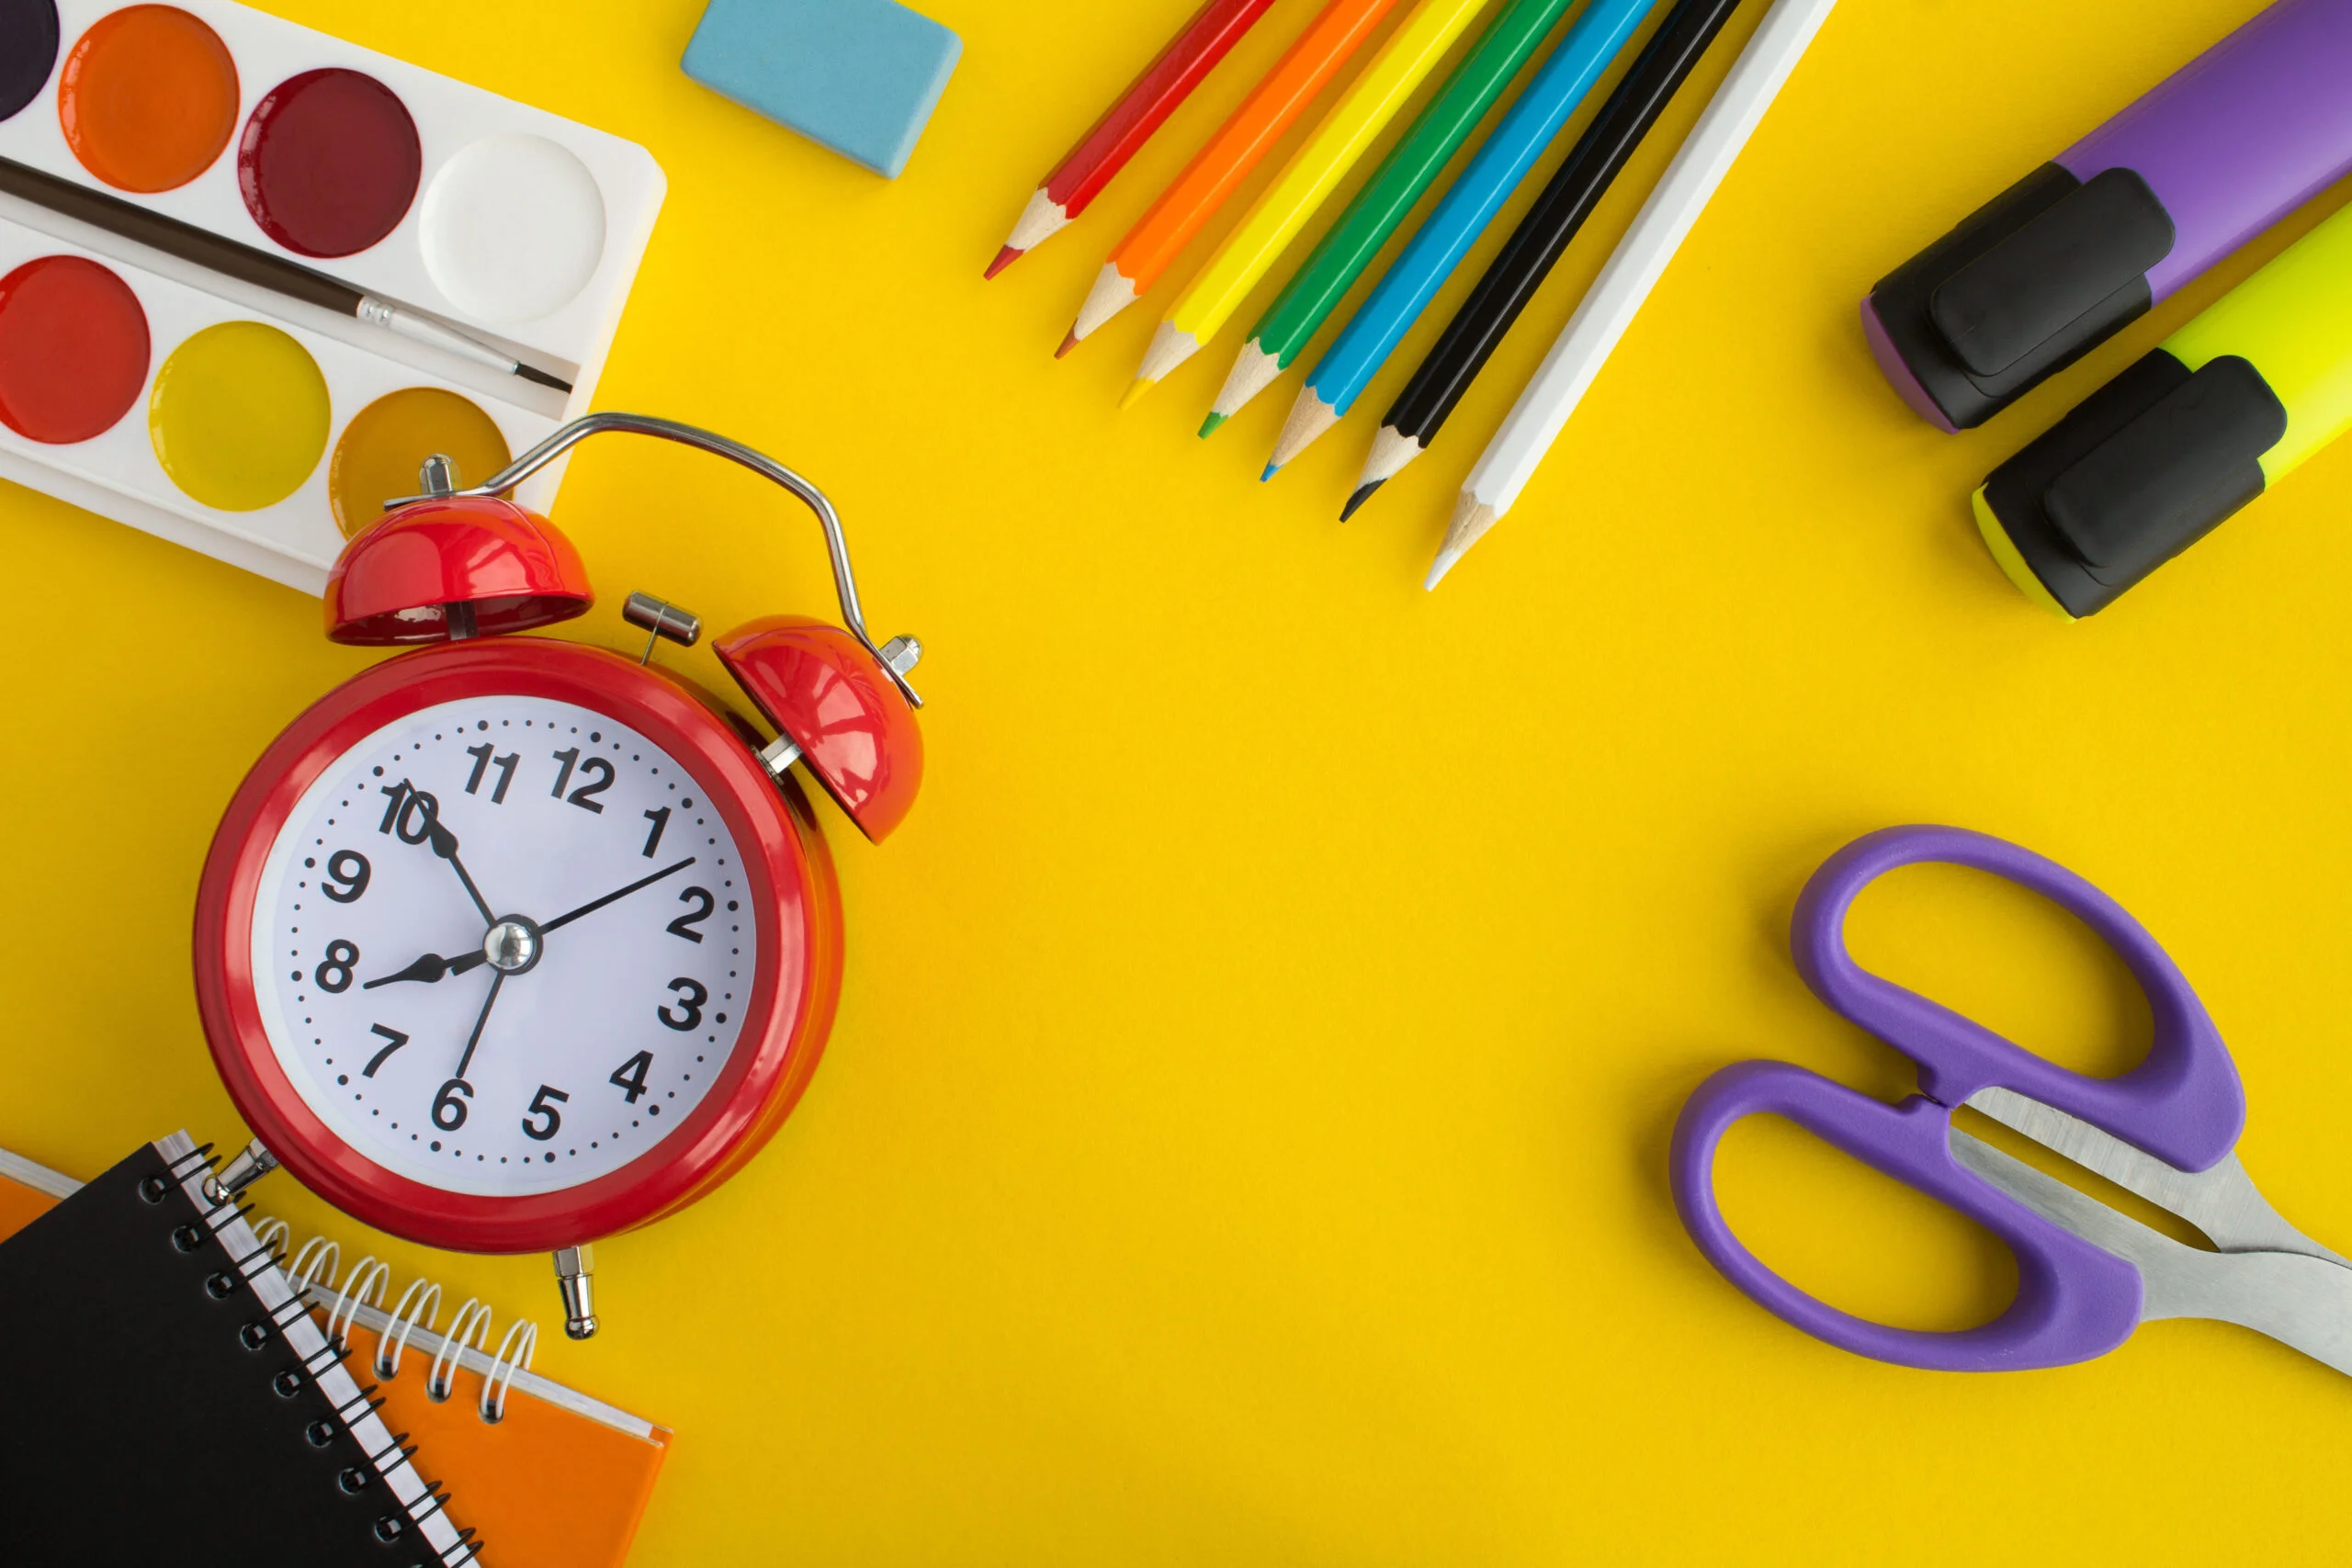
(2074, 1301)
(2183, 1104)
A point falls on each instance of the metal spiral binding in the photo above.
(471, 1324)
(319, 1255)
(398, 1445)
(367, 1274)
(393, 1342)
(254, 1251)
(437, 1495)
(184, 1166)
(365, 1398)
(513, 1356)
(359, 1300)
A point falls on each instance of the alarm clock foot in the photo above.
(252, 1163)
(574, 1268)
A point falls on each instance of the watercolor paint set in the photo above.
(250, 275)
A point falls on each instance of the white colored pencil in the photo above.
(1641, 258)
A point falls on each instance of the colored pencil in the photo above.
(1536, 421)
(1239, 145)
(1404, 292)
(1377, 96)
(1127, 125)
(1410, 168)
(1535, 247)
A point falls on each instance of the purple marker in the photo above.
(2061, 260)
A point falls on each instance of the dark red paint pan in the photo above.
(329, 163)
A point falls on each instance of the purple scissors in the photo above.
(2087, 1275)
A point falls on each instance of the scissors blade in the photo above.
(2223, 1202)
(2293, 1298)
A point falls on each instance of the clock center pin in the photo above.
(513, 945)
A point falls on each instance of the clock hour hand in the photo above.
(430, 969)
(593, 905)
(437, 834)
(445, 844)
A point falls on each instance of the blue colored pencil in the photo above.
(1364, 344)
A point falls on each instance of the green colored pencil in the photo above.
(1419, 156)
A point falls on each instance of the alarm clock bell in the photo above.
(453, 564)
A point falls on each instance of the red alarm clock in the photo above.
(509, 944)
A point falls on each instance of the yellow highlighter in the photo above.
(1305, 182)
(2159, 457)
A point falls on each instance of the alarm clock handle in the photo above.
(836, 542)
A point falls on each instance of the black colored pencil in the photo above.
(1542, 236)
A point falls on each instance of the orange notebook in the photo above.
(547, 1476)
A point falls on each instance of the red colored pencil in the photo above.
(1127, 125)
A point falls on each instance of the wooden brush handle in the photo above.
(174, 238)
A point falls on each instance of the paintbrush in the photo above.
(215, 254)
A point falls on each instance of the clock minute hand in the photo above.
(596, 904)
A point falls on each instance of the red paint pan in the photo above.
(73, 350)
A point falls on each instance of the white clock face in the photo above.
(504, 946)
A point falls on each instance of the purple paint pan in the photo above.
(27, 50)
(2057, 264)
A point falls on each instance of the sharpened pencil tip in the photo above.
(1208, 425)
(1271, 470)
(1362, 493)
(1004, 258)
(1069, 341)
(1472, 518)
(1134, 394)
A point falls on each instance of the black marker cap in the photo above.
(2148, 465)
(2026, 285)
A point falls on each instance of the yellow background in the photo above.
(1243, 1139)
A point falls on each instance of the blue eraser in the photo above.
(859, 76)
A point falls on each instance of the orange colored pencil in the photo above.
(1238, 147)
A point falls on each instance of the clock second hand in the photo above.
(497, 978)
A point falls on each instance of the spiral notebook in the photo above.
(527, 1472)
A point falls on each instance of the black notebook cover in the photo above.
(165, 1398)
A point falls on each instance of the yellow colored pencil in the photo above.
(1305, 182)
